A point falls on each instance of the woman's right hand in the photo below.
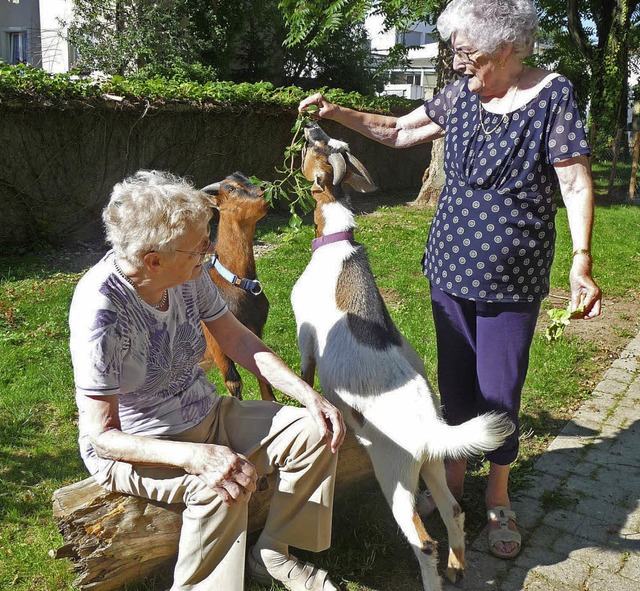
(324, 106)
(228, 473)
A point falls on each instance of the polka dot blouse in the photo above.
(493, 234)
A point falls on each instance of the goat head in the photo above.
(326, 160)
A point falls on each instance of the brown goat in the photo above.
(240, 205)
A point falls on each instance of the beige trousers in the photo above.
(212, 543)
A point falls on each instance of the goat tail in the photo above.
(476, 436)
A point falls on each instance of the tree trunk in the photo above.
(434, 177)
(113, 539)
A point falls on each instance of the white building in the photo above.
(419, 80)
(30, 32)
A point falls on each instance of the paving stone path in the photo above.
(580, 522)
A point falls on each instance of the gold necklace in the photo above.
(505, 116)
(158, 306)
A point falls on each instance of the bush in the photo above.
(184, 83)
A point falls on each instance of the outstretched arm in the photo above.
(398, 132)
(246, 349)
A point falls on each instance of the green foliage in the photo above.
(320, 23)
(238, 40)
(592, 47)
(559, 320)
(123, 36)
(291, 188)
(31, 84)
(313, 22)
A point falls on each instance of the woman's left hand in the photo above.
(585, 292)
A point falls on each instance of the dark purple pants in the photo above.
(483, 356)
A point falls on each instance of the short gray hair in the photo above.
(149, 211)
(492, 24)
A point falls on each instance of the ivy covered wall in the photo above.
(59, 163)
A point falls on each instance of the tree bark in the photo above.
(434, 177)
(114, 539)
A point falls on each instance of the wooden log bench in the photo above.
(114, 539)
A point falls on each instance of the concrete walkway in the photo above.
(580, 522)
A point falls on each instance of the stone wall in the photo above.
(58, 165)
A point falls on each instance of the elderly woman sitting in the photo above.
(152, 425)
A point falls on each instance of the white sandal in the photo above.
(502, 515)
(294, 574)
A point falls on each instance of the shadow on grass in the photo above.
(34, 461)
(27, 479)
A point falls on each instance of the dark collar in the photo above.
(330, 238)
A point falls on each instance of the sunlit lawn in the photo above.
(38, 420)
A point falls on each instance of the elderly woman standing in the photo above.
(151, 423)
(513, 134)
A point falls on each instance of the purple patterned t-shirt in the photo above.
(493, 233)
(122, 346)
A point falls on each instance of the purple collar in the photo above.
(329, 238)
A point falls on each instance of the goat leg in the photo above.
(309, 371)
(266, 391)
(434, 476)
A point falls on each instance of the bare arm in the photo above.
(246, 349)
(398, 132)
(576, 187)
(229, 474)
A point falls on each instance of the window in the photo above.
(410, 38)
(17, 47)
(413, 79)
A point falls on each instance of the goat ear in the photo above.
(358, 183)
(211, 192)
(213, 201)
(358, 177)
(318, 183)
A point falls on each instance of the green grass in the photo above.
(38, 419)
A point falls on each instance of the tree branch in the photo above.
(576, 30)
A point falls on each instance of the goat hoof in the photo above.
(235, 389)
(454, 575)
(428, 548)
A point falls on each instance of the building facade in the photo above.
(418, 81)
(31, 32)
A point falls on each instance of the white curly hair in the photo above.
(491, 24)
(149, 210)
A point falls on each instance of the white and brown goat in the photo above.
(233, 270)
(368, 369)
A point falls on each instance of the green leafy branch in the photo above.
(291, 188)
(559, 320)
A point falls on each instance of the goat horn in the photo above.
(339, 167)
(212, 189)
(360, 168)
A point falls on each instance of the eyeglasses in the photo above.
(202, 253)
(464, 56)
